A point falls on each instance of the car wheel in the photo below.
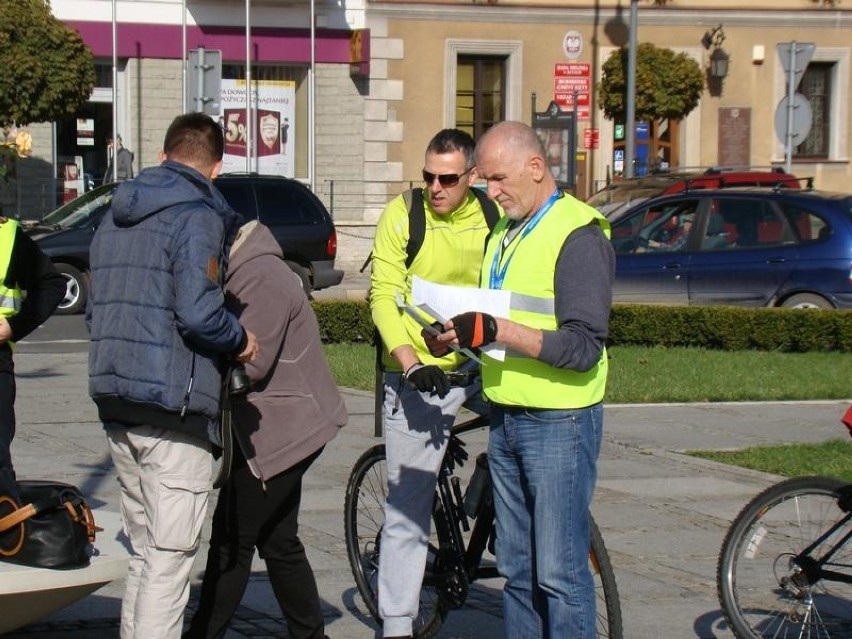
(806, 300)
(76, 290)
(303, 276)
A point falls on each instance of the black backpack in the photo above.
(417, 221)
(416, 234)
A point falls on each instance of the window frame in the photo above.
(512, 50)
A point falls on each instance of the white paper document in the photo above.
(443, 302)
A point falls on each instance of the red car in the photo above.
(613, 200)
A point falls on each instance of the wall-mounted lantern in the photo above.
(719, 59)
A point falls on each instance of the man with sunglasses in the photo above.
(420, 402)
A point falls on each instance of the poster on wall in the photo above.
(273, 111)
(69, 174)
(85, 132)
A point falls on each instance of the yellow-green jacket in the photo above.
(451, 253)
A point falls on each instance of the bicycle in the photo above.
(785, 567)
(451, 566)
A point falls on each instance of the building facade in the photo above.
(376, 80)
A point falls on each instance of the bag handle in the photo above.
(16, 517)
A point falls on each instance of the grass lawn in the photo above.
(643, 375)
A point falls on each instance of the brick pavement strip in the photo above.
(663, 514)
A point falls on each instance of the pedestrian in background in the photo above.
(553, 253)
(291, 411)
(159, 332)
(122, 169)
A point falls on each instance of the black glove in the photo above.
(475, 329)
(428, 379)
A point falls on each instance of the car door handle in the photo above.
(672, 265)
(776, 260)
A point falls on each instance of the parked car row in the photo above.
(296, 217)
(758, 246)
(679, 238)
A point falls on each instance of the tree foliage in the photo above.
(668, 84)
(46, 71)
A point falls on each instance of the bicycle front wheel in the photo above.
(765, 588)
(607, 605)
(364, 516)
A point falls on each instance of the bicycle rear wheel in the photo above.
(763, 592)
(364, 517)
(608, 605)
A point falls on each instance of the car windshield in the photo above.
(611, 202)
(79, 210)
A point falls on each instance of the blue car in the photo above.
(740, 246)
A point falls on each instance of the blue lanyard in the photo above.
(499, 274)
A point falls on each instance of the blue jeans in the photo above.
(543, 468)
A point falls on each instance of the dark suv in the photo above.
(613, 200)
(742, 246)
(296, 217)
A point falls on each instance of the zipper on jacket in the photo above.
(188, 389)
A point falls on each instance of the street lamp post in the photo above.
(630, 115)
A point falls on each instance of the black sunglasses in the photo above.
(447, 181)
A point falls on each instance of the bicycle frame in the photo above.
(813, 568)
(450, 515)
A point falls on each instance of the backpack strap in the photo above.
(489, 208)
(416, 224)
(417, 218)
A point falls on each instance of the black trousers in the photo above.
(7, 430)
(249, 517)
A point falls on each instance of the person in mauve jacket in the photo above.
(160, 333)
(291, 411)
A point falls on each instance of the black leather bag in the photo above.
(48, 525)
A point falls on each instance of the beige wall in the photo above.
(422, 33)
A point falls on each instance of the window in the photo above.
(509, 52)
(480, 93)
(806, 226)
(262, 72)
(752, 223)
(239, 196)
(664, 227)
(287, 204)
(816, 87)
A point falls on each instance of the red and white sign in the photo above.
(570, 79)
(591, 138)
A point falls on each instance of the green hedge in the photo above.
(713, 327)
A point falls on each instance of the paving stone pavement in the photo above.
(663, 514)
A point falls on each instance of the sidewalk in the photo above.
(663, 514)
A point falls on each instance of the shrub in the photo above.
(712, 327)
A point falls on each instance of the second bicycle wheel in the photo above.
(363, 520)
(766, 588)
(607, 604)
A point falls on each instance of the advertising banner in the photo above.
(273, 111)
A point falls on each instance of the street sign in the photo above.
(204, 80)
(800, 124)
(795, 55)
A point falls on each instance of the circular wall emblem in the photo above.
(572, 45)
